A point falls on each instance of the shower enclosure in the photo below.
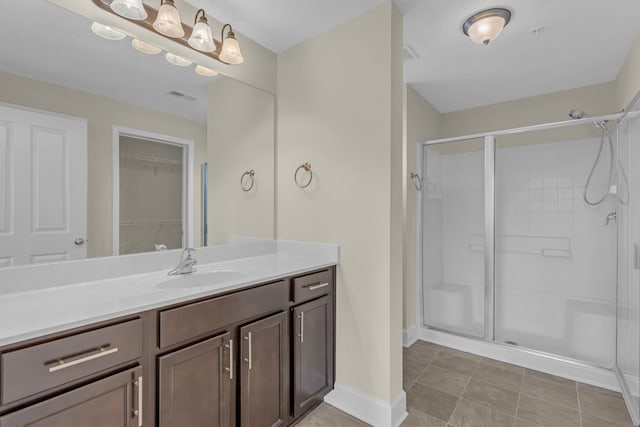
(512, 252)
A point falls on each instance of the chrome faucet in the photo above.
(185, 266)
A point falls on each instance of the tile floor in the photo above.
(449, 388)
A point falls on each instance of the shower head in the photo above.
(577, 114)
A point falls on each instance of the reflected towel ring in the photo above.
(417, 181)
(250, 174)
(307, 167)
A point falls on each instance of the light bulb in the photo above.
(230, 52)
(107, 32)
(201, 38)
(144, 47)
(177, 60)
(168, 21)
(132, 9)
(206, 72)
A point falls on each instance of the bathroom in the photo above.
(347, 109)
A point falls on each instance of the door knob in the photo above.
(78, 241)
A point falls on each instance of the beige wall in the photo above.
(101, 114)
(241, 137)
(338, 106)
(422, 124)
(628, 80)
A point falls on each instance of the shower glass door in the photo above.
(555, 255)
(453, 223)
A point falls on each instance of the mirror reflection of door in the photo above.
(43, 187)
(153, 186)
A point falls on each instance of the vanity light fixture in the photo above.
(177, 60)
(168, 21)
(230, 51)
(204, 71)
(107, 32)
(201, 38)
(485, 26)
(144, 47)
(132, 9)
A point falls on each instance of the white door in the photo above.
(43, 187)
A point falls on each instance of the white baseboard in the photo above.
(409, 336)
(373, 411)
(599, 377)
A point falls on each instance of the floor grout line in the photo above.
(579, 407)
(515, 419)
(461, 393)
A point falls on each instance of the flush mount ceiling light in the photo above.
(132, 9)
(107, 32)
(177, 60)
(484, 27)
(204, 71)
(230, 51)
(144, 47)
(168, 21)
(201, 38)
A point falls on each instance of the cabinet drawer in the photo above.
(40, 367)
(312, 286)
(190, 321)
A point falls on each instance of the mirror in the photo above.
(60, 70)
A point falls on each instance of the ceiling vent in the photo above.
(409, 53)
(182, 95)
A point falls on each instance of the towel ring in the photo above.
(251, 174)
(417, 181)
(307, 167)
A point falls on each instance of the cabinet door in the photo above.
(110, 402)
(264, 372)
(194, 385)
(312, 353)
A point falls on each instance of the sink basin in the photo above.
(197, 279)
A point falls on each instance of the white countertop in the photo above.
(41, 310)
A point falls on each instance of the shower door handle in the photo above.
(636, 256)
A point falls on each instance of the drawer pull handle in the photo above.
(230, 368)
(250, 350)
(301, 334)
(138, 412)
(318, 286)
(63, 364)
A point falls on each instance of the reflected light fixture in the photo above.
(177, 60)
(168, 21)
(107, 32)
(132, 9)
(230, 51)
(485, 26)
(204, 71)
(144, 47)
(201, 38)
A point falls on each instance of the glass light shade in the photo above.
(107, 32)
(204, 71)
(168, 21)
(132, 9)
(144, 47)
(177, 60)
(201, 38)
(230, 52)
(486, 30)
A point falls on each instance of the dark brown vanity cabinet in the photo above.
(114, 401)
(264, 368)
(194, 385)
(257, 357)
(312, 353)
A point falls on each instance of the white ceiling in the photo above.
(583, 42)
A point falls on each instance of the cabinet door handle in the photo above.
(318, 286)
(301, 334)
(248, 337)
(64, 364)
(230, 368)
(138, 412)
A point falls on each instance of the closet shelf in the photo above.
(151, 159)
